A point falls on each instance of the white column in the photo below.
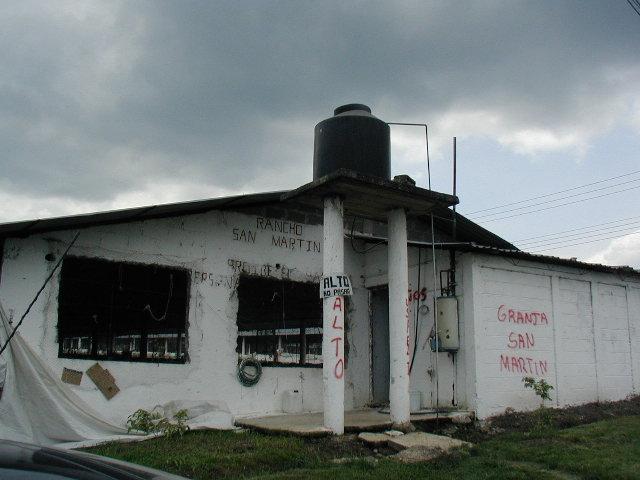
(333, 368)
(398, 318)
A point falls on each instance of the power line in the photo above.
(560, 198)
(558, 241)
(561, 205)
(35, 299)
(555, 193)
(575, 229)
(583, 243)
(585, 234)
(636, 7)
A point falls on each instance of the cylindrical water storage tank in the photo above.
(352, 139)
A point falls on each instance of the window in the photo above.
(280, 321)
(122, 311)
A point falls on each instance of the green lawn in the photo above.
(607, 449)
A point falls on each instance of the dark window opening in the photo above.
(280, 321)
(122, 311)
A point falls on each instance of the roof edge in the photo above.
(24, 228)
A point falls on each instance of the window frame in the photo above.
(65, 327)
(277, 333)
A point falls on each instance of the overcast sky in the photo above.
(115, 104)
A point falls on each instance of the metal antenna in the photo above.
(454, 187)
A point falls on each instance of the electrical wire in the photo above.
(635, 5)
(593, 239)
(579, 236)
(557, 206)
(555, 193)
(435, 317)
(559, 199)
(351, 237)
(417, 319)
(576, 229)
(35, 299)
(584, 243)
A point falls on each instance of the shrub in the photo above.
(541, 387)
(153, 422)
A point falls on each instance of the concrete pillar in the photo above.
(398, 318)
(333, 368)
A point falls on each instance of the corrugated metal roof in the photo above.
(477, 238)
(468, 231)
(519, 254)
(28, 227)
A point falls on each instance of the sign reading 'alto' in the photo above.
(335, 286)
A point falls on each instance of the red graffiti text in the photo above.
(526, 318)
(418, 295)
(526, 365)
(521, 340)
(338, 328)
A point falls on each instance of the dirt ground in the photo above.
(598, 440)
(560, 418)
(524, 421)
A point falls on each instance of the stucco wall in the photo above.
(577, 329)
(212, 246)
(587, 344)
(450, 375)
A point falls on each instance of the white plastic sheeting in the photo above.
(37, 407)
(200, 415)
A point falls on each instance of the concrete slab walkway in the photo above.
(311, 424)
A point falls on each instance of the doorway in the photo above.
(380, 375)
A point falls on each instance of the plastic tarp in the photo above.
(36, 406)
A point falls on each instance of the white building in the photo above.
(168, 298)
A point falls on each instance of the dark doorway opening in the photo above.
(379, 298)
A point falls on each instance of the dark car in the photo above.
(22, 461)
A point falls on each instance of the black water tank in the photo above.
(352, 139)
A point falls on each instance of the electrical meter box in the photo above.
(447, 312)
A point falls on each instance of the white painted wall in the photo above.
(451, 379)
(576, 357)
(587, 349)
(358, 379)
(591, 342)
(205, 244)
(613, 342)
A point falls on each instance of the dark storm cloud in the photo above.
(104, 99)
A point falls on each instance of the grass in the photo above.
(605, 449)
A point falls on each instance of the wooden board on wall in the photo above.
(103, 380)
(74, 377)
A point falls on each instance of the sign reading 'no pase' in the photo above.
(335, 286)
